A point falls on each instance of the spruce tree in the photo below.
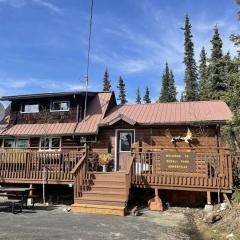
(190, 78)
(172, 96)
(216, 68)
(203, 80)
(106, 81)
(138, 97)
(168, 90)
(146, 97)
(231, 132)
(165, 85)
(122, 91)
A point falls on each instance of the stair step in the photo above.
(111, 198)
(109, 183)
(98, 202)
(109, 177)
(106, 188)
(96, 192)
(99, 209)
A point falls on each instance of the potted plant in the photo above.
(104, 160)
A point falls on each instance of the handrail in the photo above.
(130, 164)
(78, 163)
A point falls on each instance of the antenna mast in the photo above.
(88, 57)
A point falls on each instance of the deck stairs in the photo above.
(107, 194)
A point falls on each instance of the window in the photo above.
(9, 143)
(58, 106)
(22, 143)
(15, 143)
(125, 141)
(30, 108)
(50, 144)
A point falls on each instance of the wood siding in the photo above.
(45, 115)
(155, 136)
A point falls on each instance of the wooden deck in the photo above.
(210, 170)
(29, 166)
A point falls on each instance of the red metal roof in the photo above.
(96, 112)
(142, 114)
(170, 113)
(40, 129)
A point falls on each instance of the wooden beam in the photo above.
(209, 200)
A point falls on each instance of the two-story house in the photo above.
(171, 146)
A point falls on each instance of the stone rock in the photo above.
(135, 211)
(230, 236)
(155, 204)
(208, 208)
(211, 217)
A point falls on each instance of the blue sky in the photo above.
(43, 43)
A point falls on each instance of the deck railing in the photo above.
(183, 168)
(29, 165)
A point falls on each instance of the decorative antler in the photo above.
(186, 139)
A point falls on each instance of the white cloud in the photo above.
(41, 3)
(47, 5)
(12, 86)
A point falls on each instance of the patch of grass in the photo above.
(210, 232)
(236, 196)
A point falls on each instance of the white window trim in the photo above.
(57, 101)
(50, 145)
(29, 104)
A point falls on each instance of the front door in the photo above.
(125, 139)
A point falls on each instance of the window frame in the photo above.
(29, 103)
(50, 149)
(59, 101)
(15, 142)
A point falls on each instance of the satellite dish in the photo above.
(2, 111)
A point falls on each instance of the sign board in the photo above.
(178, 161)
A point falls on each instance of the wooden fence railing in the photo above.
(183, 169)
(28, 165)
(81, 176)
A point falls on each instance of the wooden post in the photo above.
(31, 190)
(156, 193)
(209, 200)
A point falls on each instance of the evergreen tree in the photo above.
(165, 85)
(216, 68)
(106, 81)
(172, 89)
(138, 97)
(216, 45)
(231, 133)
(203, 80)
(122, 91)
(146, 97)
(168, 90)
(190, 78)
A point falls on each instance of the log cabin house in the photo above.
(173, 146)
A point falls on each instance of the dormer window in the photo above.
(29, 108)
(60, 106)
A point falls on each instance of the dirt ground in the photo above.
(56, 223)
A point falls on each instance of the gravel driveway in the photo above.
(55, 223)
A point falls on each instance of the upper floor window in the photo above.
(60, 106)
(29, 108)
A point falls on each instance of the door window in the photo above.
(125, 141)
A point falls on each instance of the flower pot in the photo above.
(104, 168)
